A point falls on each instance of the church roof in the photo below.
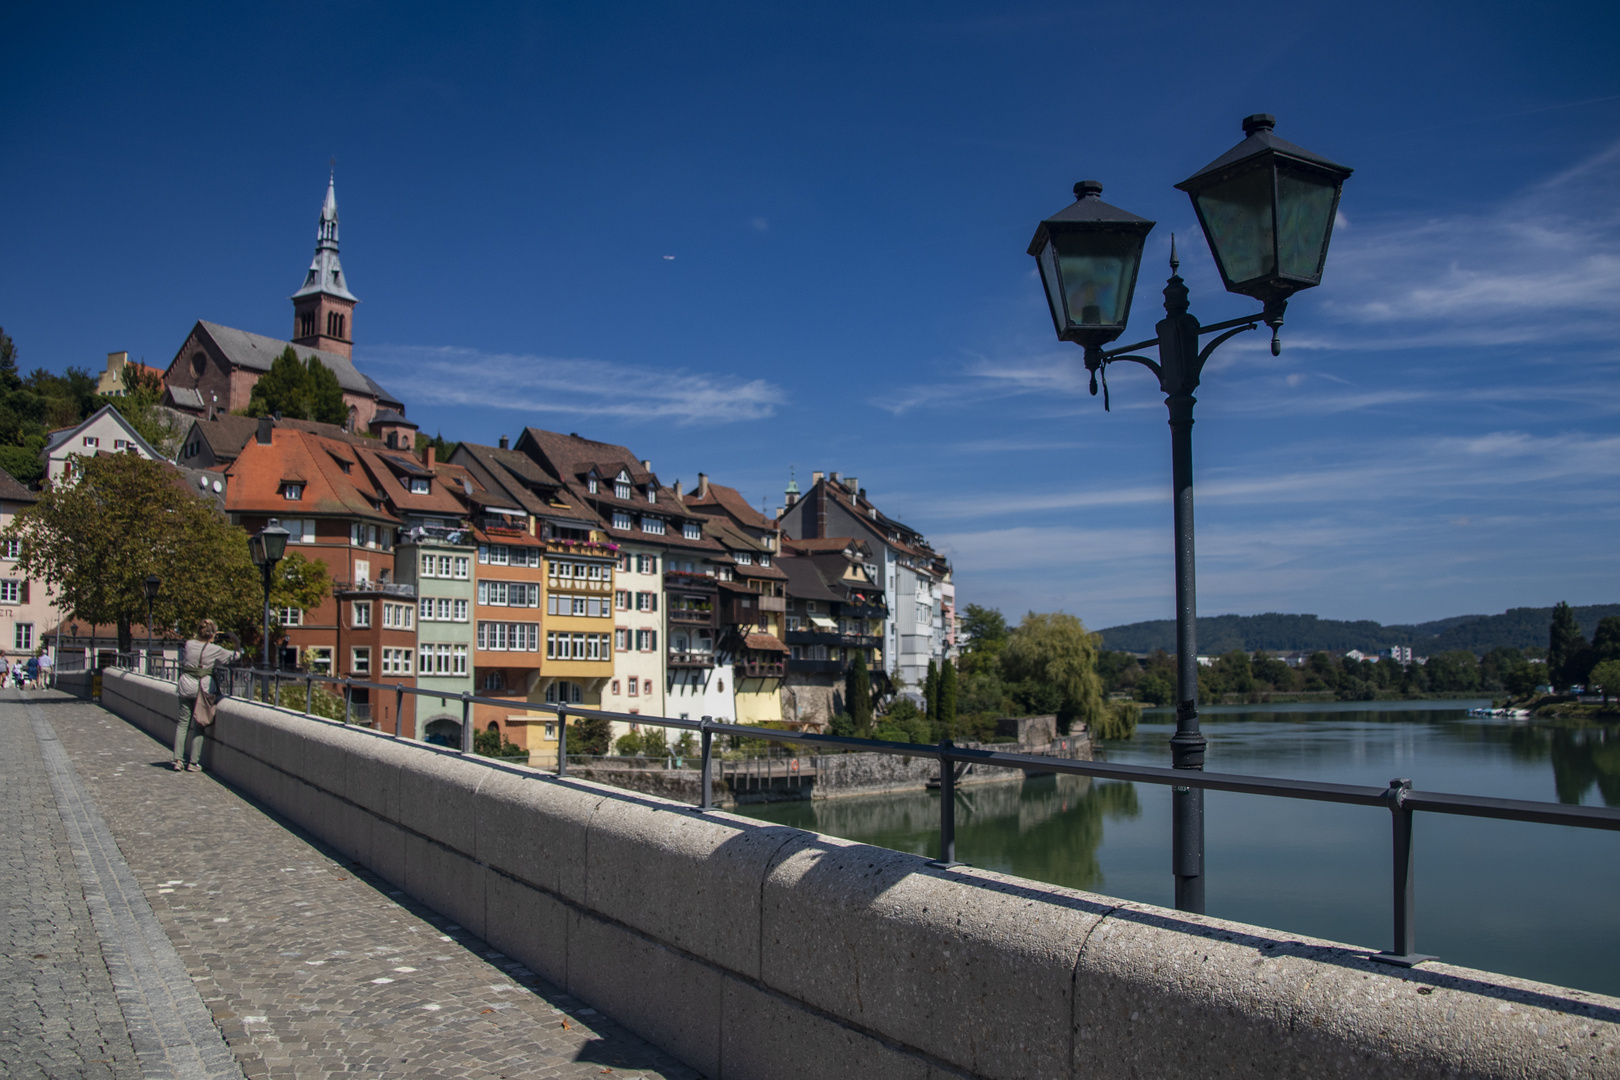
(255, 352)
(325, 271)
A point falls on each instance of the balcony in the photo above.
(691, 660)
(599, 548)
(692, 617)
(773, 603)
(372, 588)
(832, 637)
(865, 611)
(762, 669)
(818, 667)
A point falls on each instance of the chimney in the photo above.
(835, 478)
(852, 485)
(266, 426)
(646, 465)
(677, 489)
(506, 443)
(703, 485)
(815, 477)
(431, 453)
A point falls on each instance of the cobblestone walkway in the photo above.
(310, 966)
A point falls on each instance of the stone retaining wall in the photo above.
(754, 950)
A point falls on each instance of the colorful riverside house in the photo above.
(577, 663)
(327, 494)
(835, 611)
(519, 501)
(753, 599)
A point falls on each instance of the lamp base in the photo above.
(1405, 960)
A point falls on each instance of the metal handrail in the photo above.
(1399, 797)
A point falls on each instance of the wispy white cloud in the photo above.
(551, 385)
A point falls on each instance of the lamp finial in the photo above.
(1175, 263)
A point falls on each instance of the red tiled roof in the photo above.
(764, 643)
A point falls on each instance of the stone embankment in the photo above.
(756, 950)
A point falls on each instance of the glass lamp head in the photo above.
(151, 585)
(271, 543)
(1267, 208)
(1088, 254)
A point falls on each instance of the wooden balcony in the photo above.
(689, 617)
(762, 669)
(691, 659)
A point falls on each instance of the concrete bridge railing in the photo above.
(754, 950)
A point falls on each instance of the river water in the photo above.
(1538, 901)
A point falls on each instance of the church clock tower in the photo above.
(323, 310)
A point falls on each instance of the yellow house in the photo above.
(577, 624)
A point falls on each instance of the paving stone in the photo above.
(309, 965)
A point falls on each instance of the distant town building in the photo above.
(104, 432)
(112, 381)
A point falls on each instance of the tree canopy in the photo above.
(94, 540)
(1052, 661)
(299, 390)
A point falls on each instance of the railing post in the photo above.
(348, 700)
(399, 712)
(562, 742)
(947, 808)
(1404, 949)
(466, 723)
(309, 694)
(706, 771)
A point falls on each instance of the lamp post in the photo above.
(151, 585)
(1266, 207)
(267, 549)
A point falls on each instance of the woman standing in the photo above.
(197, 662)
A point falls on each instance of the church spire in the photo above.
(323, 309)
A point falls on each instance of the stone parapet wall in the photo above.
(754, 950)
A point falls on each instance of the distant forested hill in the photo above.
(1518, 628)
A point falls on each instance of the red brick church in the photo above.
(215, 369)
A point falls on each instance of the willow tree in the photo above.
(1055, 654)
(94, 538)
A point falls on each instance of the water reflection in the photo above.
(1046, 827)
(1583, 758)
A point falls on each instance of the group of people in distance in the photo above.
(33, 673)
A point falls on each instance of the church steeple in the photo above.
(323, 310)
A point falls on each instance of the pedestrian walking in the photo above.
(31, 672)
(47, 668)
(197, 662)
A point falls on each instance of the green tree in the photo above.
(1155, 689)
(1565, 646)
(1606, 676)
(299, 390)
(981, 629)
(858, 694)
(590, 734)
(9, 379)
(931, 693)
(296, 583)
(94, 541)
(143, 394)
(945, 721)
(1054, 658)
(495, 744)
(1606, 639)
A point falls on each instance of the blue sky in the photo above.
(741, 238)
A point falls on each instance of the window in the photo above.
(91, 440)
(561, 645)
(293, 492)
(398, 616)
(646, 640)
(616, 687)
(653, 525)
(692, 531)
(509, 593)
(646, 601)
(396, 661)
(360, 660)
(463, 567)
(290, 616)
(299, 530)
(743, 558)
(10, 591)
(646, 564)
(500, 555)
(590, 485)
(621, 640)
(10, 549)
(621, 490)
(23, 636)
(624, 562)
(459, 610)
(621, 599)
(362, 613)
(793, 623)
(564, 693)
(419, 485)
(509, 637)
(646, 686)
(812, 606)
(652, 493)
(621, 520)
(320, 659)
(361, 535)
(764, 560)
(494, 680)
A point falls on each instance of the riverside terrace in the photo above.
(752, 950)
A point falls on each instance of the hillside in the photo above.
(1518, 628)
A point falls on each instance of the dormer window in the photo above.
(292, 492)
(419, 485)
(691, 531)
(621, 489)
(652, 494)
(765, 560)
(743, 558)
(653, 525)
(590, 485)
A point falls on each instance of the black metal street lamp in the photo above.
(1267, 208)
(151, 585)
(267, 549)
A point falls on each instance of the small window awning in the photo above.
(764, 643)
(821, 622)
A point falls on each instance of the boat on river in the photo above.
(1501, 714)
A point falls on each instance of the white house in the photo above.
(107, 432)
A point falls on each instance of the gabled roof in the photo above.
(228, 433)
(804, 582)
(255, 352)
(570, 456)
(184, 397)
(526, 484)
(731, 501)
(257, 474)
(12, 489)
(55, 439)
